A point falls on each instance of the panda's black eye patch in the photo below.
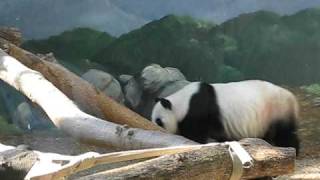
(159, 122)
(165, 103)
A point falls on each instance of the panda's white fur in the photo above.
(247, 108)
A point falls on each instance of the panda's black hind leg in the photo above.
(283, 133)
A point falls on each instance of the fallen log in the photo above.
(67, 117)
(88, 98)
(209, 161)
(20, 163)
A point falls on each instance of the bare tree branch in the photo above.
(88, 98)
(68, 118)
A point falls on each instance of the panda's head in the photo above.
(163, 116)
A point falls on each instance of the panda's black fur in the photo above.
(203, 120)
(200, 121)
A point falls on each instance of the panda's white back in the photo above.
(247, 107)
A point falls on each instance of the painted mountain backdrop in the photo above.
(263, 45)
(42, 18)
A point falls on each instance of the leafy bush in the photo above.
(6, 128)
(312, 89)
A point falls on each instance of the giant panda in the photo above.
(230, 111)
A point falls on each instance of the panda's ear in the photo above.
(157, 99)
(166, 103)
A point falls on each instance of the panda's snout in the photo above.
(159, 122)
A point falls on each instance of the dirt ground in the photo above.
(307, 164)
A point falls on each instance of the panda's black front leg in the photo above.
(216, 129)
(194, 129)
(219, 136)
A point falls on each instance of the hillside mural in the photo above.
(259, 45)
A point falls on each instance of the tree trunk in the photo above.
(68, 118)
(88, 98)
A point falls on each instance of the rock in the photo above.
(154, 77)
(124, 78)
(106, 83)
(172, 88)
(23, 116)
(29, 117)
(133, 93)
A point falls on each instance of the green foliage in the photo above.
(6, 128)
(73, 46)
(312, 89)
(284, 49)
(179, 42)
(259, 45)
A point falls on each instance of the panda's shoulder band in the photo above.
(240, 159)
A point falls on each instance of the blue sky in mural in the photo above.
(39, 19)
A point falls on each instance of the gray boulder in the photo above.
(124, 79)
(23, 116)
(106, 83)
(172, 87)
(132, 93)
(154, 77)
(29, 117)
